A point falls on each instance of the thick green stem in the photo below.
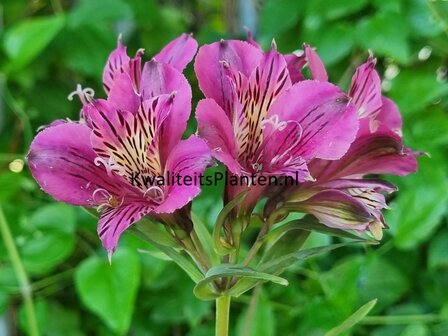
(22, 277)
(222, 315)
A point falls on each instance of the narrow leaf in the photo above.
(219, 248)
(353, 319)
(205, 238)
(204, 292)
(175, 255)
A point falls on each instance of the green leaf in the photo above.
(258, 319)
(353, 319)
(94, 42)
(277, 16)
(414, 89)
(386, 34)
(291, 241)
(333, 44)
(438, 251)
(175, 255)
(382, 280)
(3, 302)
(218, 243)
(67, 322)
(279, 264)
(203, 291)
(419, 208)
(335, 9)
(338, 284)
(205, 238)
(24, 42)
(156, 231)
(109, 291)
(96, 11)
(422, 20)
(51, 239)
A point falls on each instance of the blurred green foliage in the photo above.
(47, 47)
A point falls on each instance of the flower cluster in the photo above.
(260, 115)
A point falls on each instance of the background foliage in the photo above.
(47, 47)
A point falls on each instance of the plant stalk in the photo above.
(222, 315)
(21, 275)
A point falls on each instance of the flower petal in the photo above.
(269, 80)
(127, 143)
(188, 161)
(329, 123)
(119, 62)
(381, 152)
(122, 94)
(372, 184)
(278, 158)
(179, 52)
(209, 69)
(116, 61)
(157, 79)
(62, 161)
(215, 128)
(114, 221)
(317, 68)
(295, 65)
(390, 116)
(365, 89)
(336, 209)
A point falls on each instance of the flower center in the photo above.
(105, 200)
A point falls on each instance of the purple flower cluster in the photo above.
(260, 116)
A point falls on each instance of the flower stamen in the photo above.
(85, 95)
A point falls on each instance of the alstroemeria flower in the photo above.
(257, 121)
(341, 197)
(110, 159)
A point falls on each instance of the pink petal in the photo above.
(329, 123)
(365, 89)
(157, 79)
(130, 142)
(179, 52)
(188, 160)
(337, 209)
(119, 62)
(116, 61)
(215, 128)
(315, 64)
(122, 95)
(62, 161)
(278, 156)
(381, 152)
(255, 97)
(209, 68)
(372, 184)
(114, 221)
(295, 66)
(390, 115)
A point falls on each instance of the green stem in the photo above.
(222, 315)
(22, 277)
(260, 240)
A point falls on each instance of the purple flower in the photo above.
(341, 197)
(110, 158)
(257, 120)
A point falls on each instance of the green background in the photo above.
(47, 47)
